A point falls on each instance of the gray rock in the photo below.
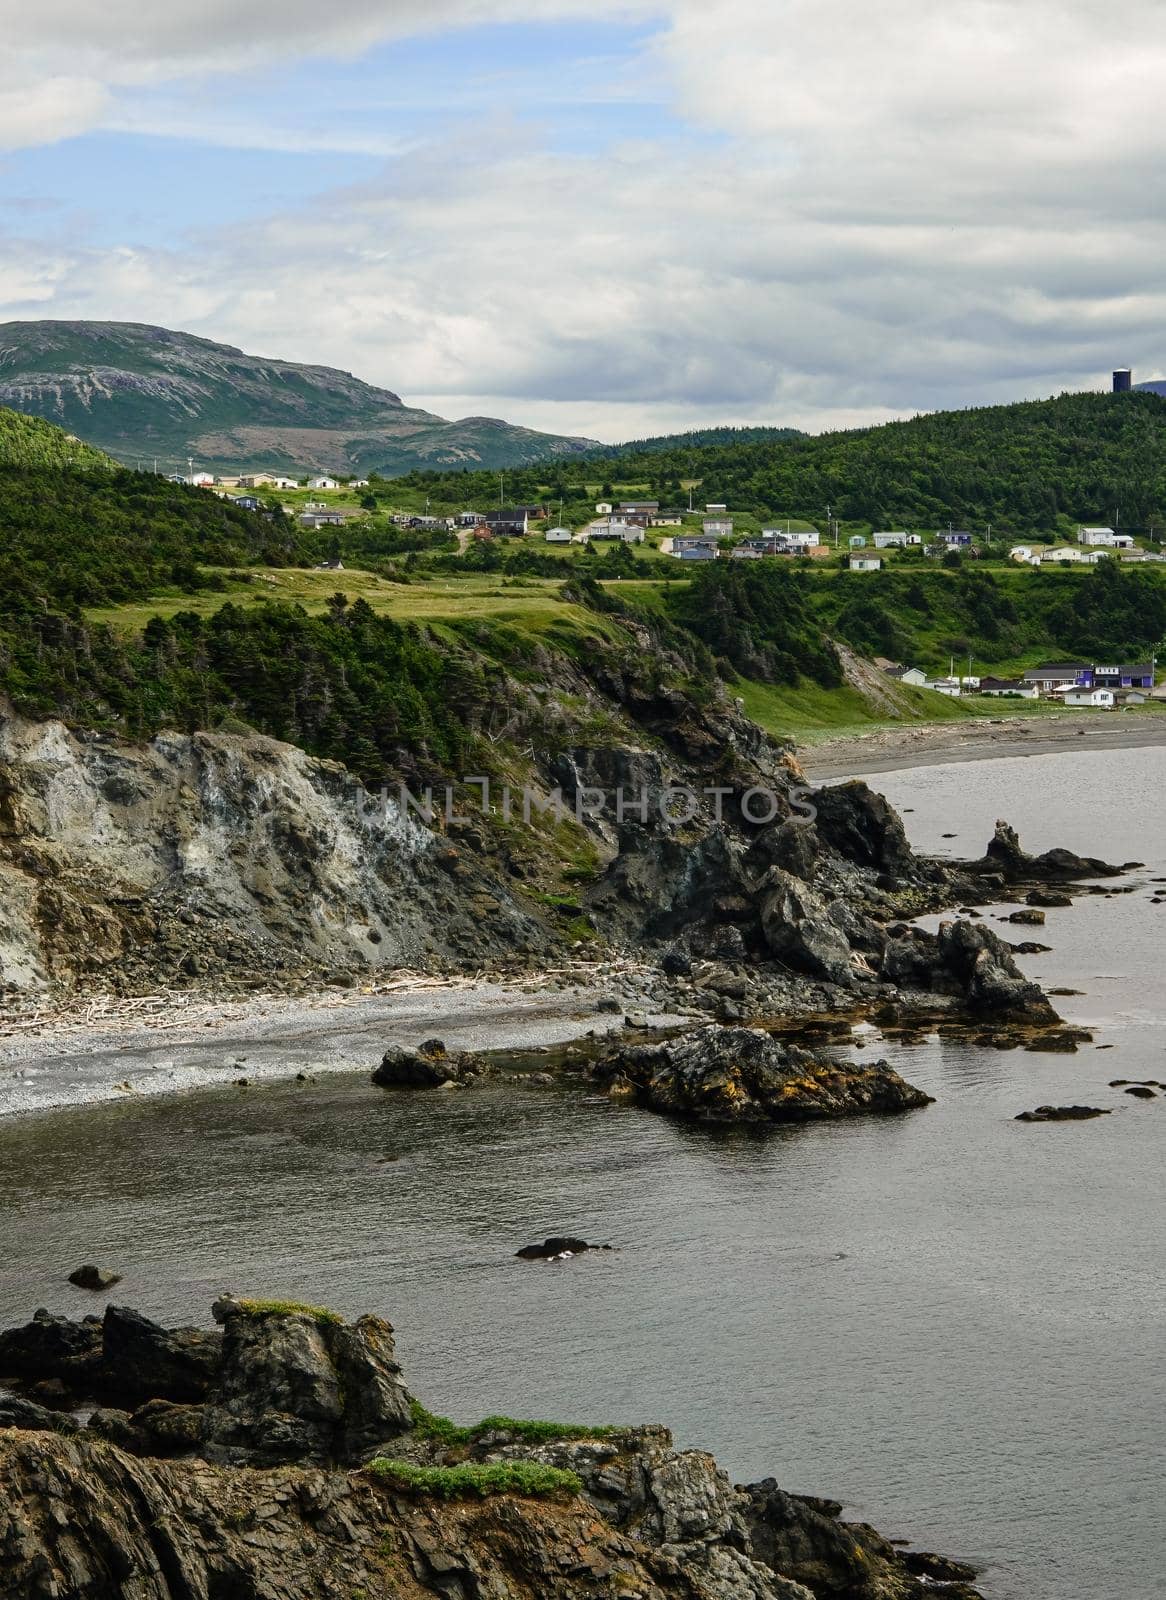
(93, 1277)
(301, 1385)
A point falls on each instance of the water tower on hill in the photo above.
(1122, 380)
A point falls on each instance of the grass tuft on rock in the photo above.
(429, 1426)
(478, 1479)
(288, 1308)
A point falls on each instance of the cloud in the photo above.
(899, 207)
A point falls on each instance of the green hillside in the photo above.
(141, 392)
(30, 442)
(1033, 467)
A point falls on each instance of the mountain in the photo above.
(1152, 386)
(138, 392)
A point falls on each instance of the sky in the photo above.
(605, 217)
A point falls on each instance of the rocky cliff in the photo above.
(234, 860)
(283, 1459)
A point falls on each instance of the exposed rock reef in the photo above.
(297, 1467)
(720, 1074)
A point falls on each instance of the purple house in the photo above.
(1140, 676)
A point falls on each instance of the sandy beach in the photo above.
(940, 743)
(115, 1049)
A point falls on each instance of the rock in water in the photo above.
(1062, 1114)
(723, 1074)
(430, 1066)
(91, 1277)
(558, 1245)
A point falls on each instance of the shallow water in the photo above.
(950, 1320)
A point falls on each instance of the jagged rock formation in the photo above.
(275, 1486)
(232, 861)
(744, 1075)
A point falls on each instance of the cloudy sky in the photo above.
(601, 216)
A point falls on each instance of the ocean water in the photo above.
(951, 1321)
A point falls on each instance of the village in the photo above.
(712, 533)
(1077, 684)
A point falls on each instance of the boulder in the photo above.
(17, 1412)
(93, 1277)
(297, 1383)
(863, 826)
(982, 966)
(430, 1066)
(1029, 917)
(1141, 1092)
(731, 1074)
(140, 1360)
(52, 1347)
(798, 929)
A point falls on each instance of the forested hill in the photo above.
(31, 442)
(669, 443)
(1020, 467)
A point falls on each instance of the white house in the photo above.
(890, 540)
(1065, 552)
(358, 483)
(604, 508)
(323, 482)
(947, 686)
(1024, 553)
(204, 480)
(715, 507)
(1101, 698)
(857, 541)
(803, 541)
(717, 527)
(915, 676)
(865, 563)
(558, 536)
(285, 483)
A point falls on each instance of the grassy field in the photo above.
(809, 712)
(533, 602)
(533, 606)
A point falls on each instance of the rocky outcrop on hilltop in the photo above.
(306, 1472)
(719, 1074)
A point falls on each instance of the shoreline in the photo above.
(72, 1059)
(944, 743)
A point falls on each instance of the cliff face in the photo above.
(297, 1468)
(238, 860)
(200, 855)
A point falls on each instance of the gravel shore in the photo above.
(939, 744)
(113, 1050)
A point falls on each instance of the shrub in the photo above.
(478, 1480)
